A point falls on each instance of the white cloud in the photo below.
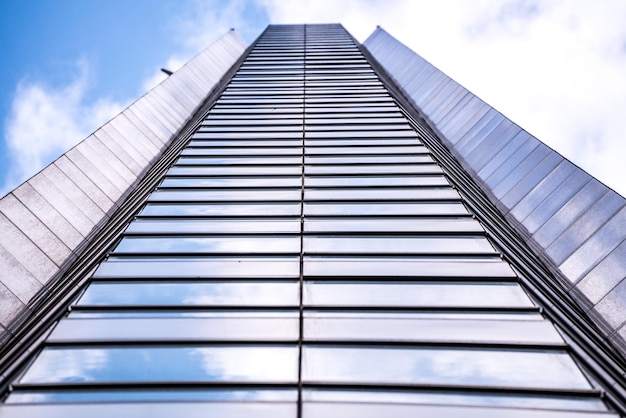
(201, 25)
(45, 121)
(554, 67)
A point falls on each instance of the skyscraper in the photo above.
(330, 230)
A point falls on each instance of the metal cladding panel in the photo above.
(47, 218)
(519, 176)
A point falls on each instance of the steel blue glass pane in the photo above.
(396, 245)
(236, 364)
(224, 195)
(371, 208)
(241, 151)
(245, 143)
(215, 244)
(377, 194)
(411, 328)
(162, 329)
(238, 161)
(382, 224)
(366, 150)
(416, 294)
(199, 267)
(278, 209)
(375, 410)
(310, 143)
(406, 266)
(372, 169)
(160, 410)
(151, 395)
(285, 170)
(362, 134)
(230, 182)
(442, 366)
(455, 398)
(369, 181)
(378, 159)
(213, 226)
(185, 294)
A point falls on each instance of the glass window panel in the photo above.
(365, 150)
(491, 315)
(408, 225)
(285, 170)
(378, 159)
(354, 127)
(373, 208)
(199, 267)
(214, 244)
(224, 195)
(241, 151)
(248, 135)
(455, 398)
(408, 328)
(230, 182)
(337, 409)
(359, 119)
(181, 312)
(374, 181)
(291, 128)
(149, 409)
(151, 395)
(427, 193)
(246, 143)
(360, 134)
(277, 209)
(360, 109)
(214, 226)
(184, 294)
(396, 245)
(415, 295)
(238, 161)
(372, 169)
(442, 366)
(310, 143)
(236, 364)
(176, 329)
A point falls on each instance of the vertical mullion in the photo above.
(301, 307)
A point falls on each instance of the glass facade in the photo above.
(304, 256)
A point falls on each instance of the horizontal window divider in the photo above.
(222, 201)
(352, 217)
(456, 389)
(216, 166)
(411, 279)
(368, 175)
(370, 201)
(208, 217)
(89, 386)
(443, 256)
(199, 280)
(498, 345)
(550, 347)
(357, 155)
(408, 188)
(182, 308)
(223, 189)
(338, 233)
(206, 255)
(223, 234)
(413, 309)
(147, 343)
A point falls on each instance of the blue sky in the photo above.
(555, 67)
